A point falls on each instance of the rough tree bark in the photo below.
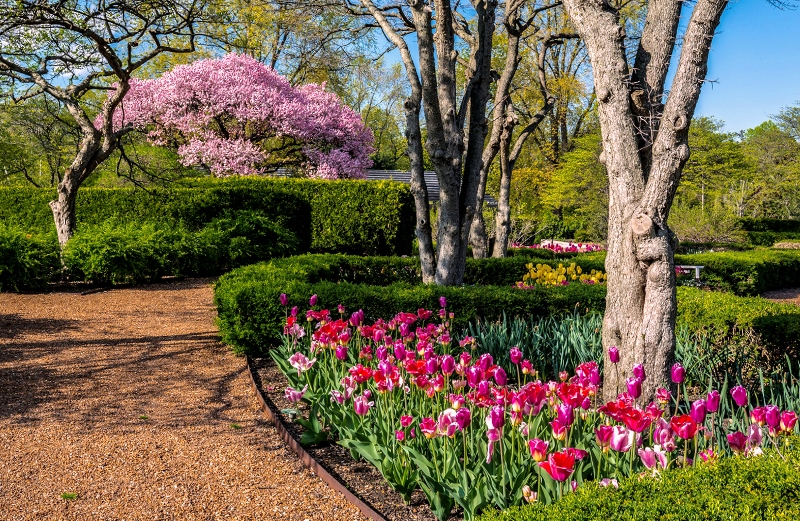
(644, 150)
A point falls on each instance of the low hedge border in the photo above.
(251, 317)
(758, 488)
(747, 273)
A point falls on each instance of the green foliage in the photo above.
(251, 318)
(358, 217)
(770, 238)
(745, 489)
(771, 225)
(748, 272)
(744, 332)
(26, 261)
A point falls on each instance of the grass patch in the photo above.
(69, 496)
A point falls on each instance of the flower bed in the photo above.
(431, 411)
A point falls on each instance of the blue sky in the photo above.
(755, 60)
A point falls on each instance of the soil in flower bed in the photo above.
(359, 477)
(787, 296)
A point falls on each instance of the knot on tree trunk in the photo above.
(604, 95)
(639, 103)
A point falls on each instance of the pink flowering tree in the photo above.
(235, 115)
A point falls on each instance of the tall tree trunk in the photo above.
(644, 163)
(477, 236)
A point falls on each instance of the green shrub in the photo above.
(749, 272)
(26, 260)
(251, 318)
(743, 489)
(118, 253)
(770, 225)
(742, 333)
(358, 217)
(770, 238)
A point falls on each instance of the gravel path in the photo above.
(787, 296)
(127, 400)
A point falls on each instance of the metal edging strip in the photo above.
(306, 458)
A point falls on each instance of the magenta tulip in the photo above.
(406, 420)
(739, 395)
(448, 364)
(463, 418)
(638, 372)
(341, 353)
(772, 414)
(564, 414)
(788, 421)
(500, 377)
(361, 405)
(613, 354)
(497, 416)
(313, 300)
(712, 401)
(678, 373)
(603, 435)
(284, 299)
(698, 411)
(738, 441)
(538, 449)
(516, 355)
(634, 387)
(442, 302)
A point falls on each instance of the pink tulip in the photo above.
(634, 387)
(527, 367)
(294, 311)
(493, 436)
(516, 355)
(663, 435)
(406, 420)
(447, 425)
(564, 414)
(428, 427)
(538, 449)
(622, 439)
(313, 300)
(559, 430)
(712, 401)
(603, 435)
(500, 377)
(663, 395)
(497, 417)
(788, 421)
(678, 373)
(759, 415)
(613, 354)
(638, 372)
(698, 411)
(737, 441)
(463, 418)
(652, 457)
(754, 436)
(772, 414)
(294, 395)
(284, 299)
(442, 302)
(300, 362)
(361, 405)
(465, 359)
(448, 364)
(739, 395)
(605, 482)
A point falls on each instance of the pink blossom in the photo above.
(301, 362)
(293, 395)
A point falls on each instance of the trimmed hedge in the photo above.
(357, 217)
(749, 272)
(770, 225)
(770, 238)
(251, 318)
(755, 330)
(758, 488)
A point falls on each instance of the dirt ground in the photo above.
(789, 296)
(123, 405)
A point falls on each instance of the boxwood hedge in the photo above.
(251, 318)
(758, 488)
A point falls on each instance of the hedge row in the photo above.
(356, 217)
(751, 328)
(747, 272)
(251, 318)
(771, 238)
(758, 488)
(770, 225)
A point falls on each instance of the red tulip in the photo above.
(684, 426)
(636, 420)
(559, 465)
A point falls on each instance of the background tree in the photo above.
(68, 49)
(775, 154)
(645, 133)
(235, 115)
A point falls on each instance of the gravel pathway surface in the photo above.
(787, 296)
(123, 405)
